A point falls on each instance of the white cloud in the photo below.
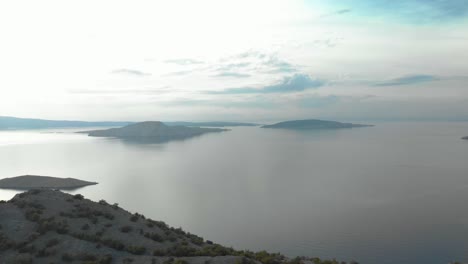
(53, 47)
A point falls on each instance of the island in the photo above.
(49, 226)
(152, 131)
(311, 124)
(465, 138)
(27, 182)
(209, 124)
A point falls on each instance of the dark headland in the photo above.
(27, 182)
(152, 131)
(313, 124)
(48, 226)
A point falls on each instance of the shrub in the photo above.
(125, 229)
(136, 250)
(35, 191)
(154, 237)
(5, 243)
(52, 242)
(107, 259)
(67, 257)
(23, 259)
(196, 240)
(26, 248)
(181, 251)
(33, 215)
(127, 261)
(134, 218)
(159, 252)
(115, 244)
(78, 197)
(86, 257)
(108, 216)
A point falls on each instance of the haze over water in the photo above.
(394, 193)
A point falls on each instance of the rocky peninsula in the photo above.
(27, 182)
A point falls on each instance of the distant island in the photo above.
(209, 124)
(152, 131)
(465, 138)
(14, 123)
(27, 182)
(310, 124)
(48, 226)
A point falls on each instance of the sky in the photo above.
(243, 60)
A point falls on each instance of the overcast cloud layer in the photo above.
(236, 60)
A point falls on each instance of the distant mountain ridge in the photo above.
(313, 124)
(152, 130)
(15, 123)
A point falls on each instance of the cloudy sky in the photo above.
(249, 60)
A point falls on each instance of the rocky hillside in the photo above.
(47, 226)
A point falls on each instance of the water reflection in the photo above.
(394, 193)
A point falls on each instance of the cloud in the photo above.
(245, 103)
(276, 64)
(179, 73)
(130, 72)
(342, 11)
(318, 101)
(338, 12)
(184, 61)
(232, 74)
(233, 66)
(160, 90)
(408, 80)
(295, 83)
(251, 63)
(416, 11)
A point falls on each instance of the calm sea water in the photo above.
(394, 193)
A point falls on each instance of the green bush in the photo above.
(78, 197)
(67, 257)
(52, 242)
(136, 250)
(154, 236)
(126, 229)
(159, 252)
(134, 218)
